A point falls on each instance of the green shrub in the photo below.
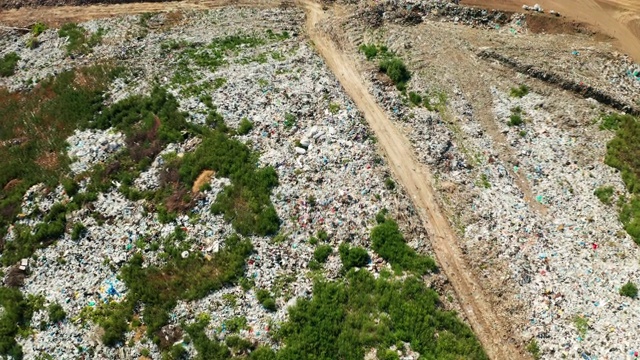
(56, 313)
(16, 315)
(236, 324)
(519, 91)
(245, 126)
(604, 194)
(38, 28)
(289, 120)
(629, 289)
(266, 299)
(322, 252)
(515, 119)
(8, 64)
(389, 183)
(322, 235)
(613, 121)
(388, 242)
(534, 349)
(415, 98)
(397, 72)
(353, 256)
(370, 51)
(78, 231)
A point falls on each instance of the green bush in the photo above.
(322, 252)
(78, 231)
(78, 42)
(389, 183)
(8, 64)
(245, 126)
(56, 313)
(353, 256)
(629, 289)
(604, 194)
(519, 91)
(534, 349)
(236, 324)
(388, 242)
(16, 315)
(369, 51)
(397, 72)
(415, 98)
(613, 121)
(38, 28)
(266, 299)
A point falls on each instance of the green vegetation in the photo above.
(56, 313)
(79, 230)
(604, 193)
(35, 124)
(372, 51)
(334, 108)
(613, 121)
(629, 289)
(519, 91)
(415, 98)
(581, 324)
(534, 349)
(159, 288)
(397, 72)
(623, 153)
(353, 256)
(516, 117)
(484, 181)
(388, 242)
(289, 120)
(245, 126)
(246, 203)
(389, 184)
(322, 252)
(38, 28)
(16, 315)
(234, 325)
(345, 318)
(8, 64)
(27, 241)
(79, 42)
(266, 299)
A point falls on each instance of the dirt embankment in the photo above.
(16, 4)
(618, 19)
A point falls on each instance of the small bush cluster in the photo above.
(519, 91)
(397, 72)
(322, 252)
(372, 51)
(388, 242)
(516, 117)
(8, 64)
(353, 256)
(78, 41)
(629, 289)
(266, 299)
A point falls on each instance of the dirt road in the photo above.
(418, 181)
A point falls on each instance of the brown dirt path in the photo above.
(418, 181)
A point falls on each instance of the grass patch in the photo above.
(371, 51)
(34, 127)
(266, 299)
(346, 318)
(244, 127)
(79, 41)
(8, 64)
(581, 324)
(519, 91)
(534, 349)
(604, 194)
(613, 121)
(322, 252)
(516, 117)
(388, 242)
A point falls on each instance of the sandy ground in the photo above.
(619, 19)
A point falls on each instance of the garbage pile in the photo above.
(330, 179)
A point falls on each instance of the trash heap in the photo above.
(331, 180)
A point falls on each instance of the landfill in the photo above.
(330, 174)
